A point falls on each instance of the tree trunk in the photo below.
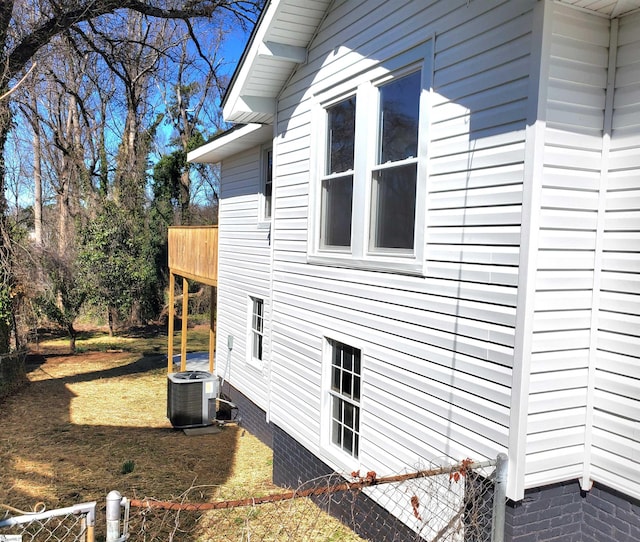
(37, 182)
(111, 320)
(72, 338)
(6, 273)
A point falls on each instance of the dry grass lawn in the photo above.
(69, 435)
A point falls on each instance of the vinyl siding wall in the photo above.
(243, 271)
(437, 350)
(616, 418)
(567, 221)
(584, 407)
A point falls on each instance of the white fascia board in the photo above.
(233, 142)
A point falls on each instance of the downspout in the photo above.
(586, 481)
(527, 266)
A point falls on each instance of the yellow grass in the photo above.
(67, 435)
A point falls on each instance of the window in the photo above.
(337, 183)
(257, 329)
(394, 177)
(345, 397)
(265, 205)
(267, 182)
(370, 198)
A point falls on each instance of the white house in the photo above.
(430, 237)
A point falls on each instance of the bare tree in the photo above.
(23, 35)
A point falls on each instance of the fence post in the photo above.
(499, 499)
(113, 516)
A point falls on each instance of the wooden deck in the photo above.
(193, 255)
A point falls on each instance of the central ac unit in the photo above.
(191, 396)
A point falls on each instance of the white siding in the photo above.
(437, 350)
(616, 433)
(243, 271)
(567, 220)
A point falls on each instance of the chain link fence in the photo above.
(463, 503)
(72, 524)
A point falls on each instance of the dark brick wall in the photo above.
(609, 515)
(564, 513)
(253, 418)
(293, 465)
(549, 513)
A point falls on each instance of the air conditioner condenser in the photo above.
(191, 398)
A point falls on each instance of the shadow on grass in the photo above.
(66, 439)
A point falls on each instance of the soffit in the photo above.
(607, 8)
(279, 43)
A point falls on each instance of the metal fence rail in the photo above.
(72, 524)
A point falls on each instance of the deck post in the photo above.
(172, 287)
(212, 325)
(185, 316)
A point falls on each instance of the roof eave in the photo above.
(234, 141)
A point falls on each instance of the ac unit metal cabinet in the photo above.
(190, 397)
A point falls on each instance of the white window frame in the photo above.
(252, 333)
(365, 87)
(336, 454)
(264, 219)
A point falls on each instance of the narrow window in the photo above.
(257, 328)
(394, 177)
(345, 397)
(268, 182)
(337, 183)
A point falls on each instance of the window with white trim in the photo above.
(337, 181)
(370, 198)
(346, 370)
(395, 173)
(256, 336)
(267, 183)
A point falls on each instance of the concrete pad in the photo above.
(208, 430)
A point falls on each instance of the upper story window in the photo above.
(369, 204)
(395, 173)
(266, 182)
(337, 182)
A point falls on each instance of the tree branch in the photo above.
(25, 49)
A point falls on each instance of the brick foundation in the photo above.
(252, 417)
(563, 513)
(293, 465)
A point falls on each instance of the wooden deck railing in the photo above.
(193, 253)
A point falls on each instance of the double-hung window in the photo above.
(266, 188)
(370, 198)
(344, 394)
(256, 334)
(337, 181)
(395, 173)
